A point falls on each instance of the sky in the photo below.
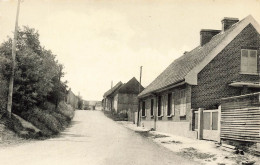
(100, 41)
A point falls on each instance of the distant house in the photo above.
(92, 105)
(123, 98)
(98, 105)
(225, 64)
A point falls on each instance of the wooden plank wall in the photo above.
(240, 118)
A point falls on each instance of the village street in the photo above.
(93, 139)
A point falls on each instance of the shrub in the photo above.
(50, 121)
(12, 123)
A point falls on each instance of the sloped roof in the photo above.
(112, 90)
(131, 87)
(186, 67)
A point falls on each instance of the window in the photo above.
(182, 103)
(143, 109)
(169, 109)
(152, 104)
(248, 61)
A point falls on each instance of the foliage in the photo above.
(80, 103)
(50, 121)
(37, 72)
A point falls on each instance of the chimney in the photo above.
(206, 35)
(227, 22)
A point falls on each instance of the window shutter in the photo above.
(166, 104)
(173, 107)
(182, 103)
(144, 109)
(159, 106)
(252, 61)
(244, 60)
(162, 106)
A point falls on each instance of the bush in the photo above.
(12, 123)
(50, 121)
(3, 85)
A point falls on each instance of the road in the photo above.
(93, 139)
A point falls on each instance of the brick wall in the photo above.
(213, 80)
(127, 102)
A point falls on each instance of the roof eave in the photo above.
(191, 78)
(163, 89)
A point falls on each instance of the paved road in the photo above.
(93, 139)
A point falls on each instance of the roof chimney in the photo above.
(206, 35)
(227, 22)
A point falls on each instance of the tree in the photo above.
(37, 72)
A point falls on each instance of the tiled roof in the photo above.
(131, 87)
(180, 67)
(112, 90)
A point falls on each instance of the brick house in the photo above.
(123, 98)
(225, 64)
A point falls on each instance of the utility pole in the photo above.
(138, 114)
(11, 83)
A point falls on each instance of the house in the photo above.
(122, 98)
(98, 105)
(92, 105)
(225, 64)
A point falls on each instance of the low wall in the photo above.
(174, 128)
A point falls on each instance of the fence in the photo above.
(240, 118)
(207, 124)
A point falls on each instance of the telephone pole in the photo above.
(11, 83)
(138, 114)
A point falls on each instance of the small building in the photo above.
(98, 105)
(122, 99)
(107, 99)
(225, 64)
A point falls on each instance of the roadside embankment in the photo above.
(49, 120)
(37, 123)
